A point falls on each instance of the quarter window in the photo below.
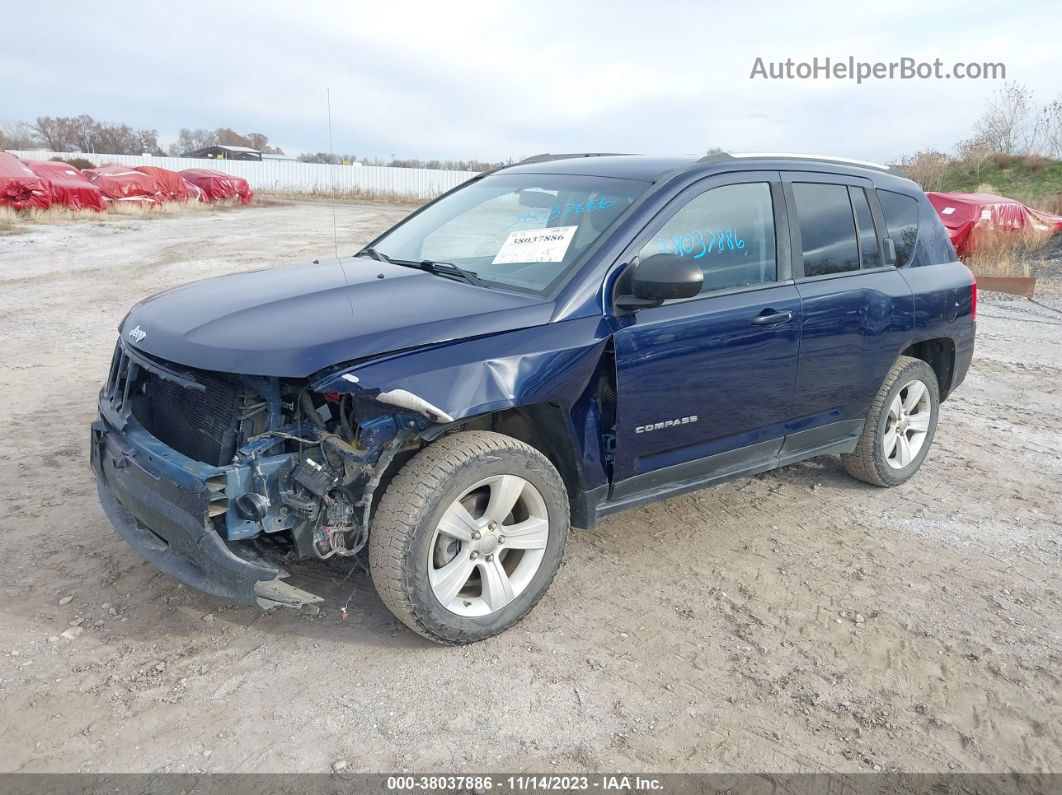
(901, 217)
(728, 231)
(827, 228)
(868, 239)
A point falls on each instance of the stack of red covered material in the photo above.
(20, 188)
(124, 184)
(968, 215)
(68, 186)
(169, 185)
(217, 185)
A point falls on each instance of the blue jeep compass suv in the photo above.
(547, 344)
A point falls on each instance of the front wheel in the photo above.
(899, 427)
(468, 536)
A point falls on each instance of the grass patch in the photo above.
(1034, 181)
(346, 197)
(10, 222)
(14, 222)
(999, 252)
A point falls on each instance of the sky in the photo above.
(500, 80)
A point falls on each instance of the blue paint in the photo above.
(472, 350)
(560, 212)
(698, 243)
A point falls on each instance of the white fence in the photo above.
(290, 176)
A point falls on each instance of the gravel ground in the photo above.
(794, 621)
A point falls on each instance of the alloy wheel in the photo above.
(488, 545)
(907, 424)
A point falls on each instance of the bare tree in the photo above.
(1011, 123)
(17, 135)
(54, 132)
(927, 168)
(1052, 126)
(974, 154)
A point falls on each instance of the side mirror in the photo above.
(659, 278)
(890, 250)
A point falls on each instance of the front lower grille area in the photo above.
(201, 424)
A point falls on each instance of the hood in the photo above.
(294, 321)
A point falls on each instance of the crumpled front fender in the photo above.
(551, 363)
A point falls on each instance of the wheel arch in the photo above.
(939, 354)
(548, 428)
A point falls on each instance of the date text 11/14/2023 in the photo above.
(525, 783)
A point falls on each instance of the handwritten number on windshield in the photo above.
(562, 211)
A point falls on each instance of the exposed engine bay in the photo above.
(291, 466)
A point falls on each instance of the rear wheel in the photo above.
(900, 426)
(468, 536)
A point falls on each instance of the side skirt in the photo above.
(837, 437)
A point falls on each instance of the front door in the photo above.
(706, 384)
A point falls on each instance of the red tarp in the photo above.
(219, 185)
(966, 215)
(20, 188)
(195, 193)
(169, 185)
(124, 184)
(69, 187)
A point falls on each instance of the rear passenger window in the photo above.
(901, 217)
(728, 231)
(827, 230)
(868, 239)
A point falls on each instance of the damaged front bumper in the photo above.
(161, 503)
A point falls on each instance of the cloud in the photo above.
(501, 79)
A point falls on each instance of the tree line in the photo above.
(1013, 126)
(404, 162)
(86, 134)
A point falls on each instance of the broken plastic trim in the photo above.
(415, 403)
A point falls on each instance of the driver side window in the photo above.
(728, 231)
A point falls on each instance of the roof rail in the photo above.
(719, 157)
(543, 158)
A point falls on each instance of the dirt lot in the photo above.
(795, 621)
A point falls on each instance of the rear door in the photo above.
(856, 309)
(705, 384)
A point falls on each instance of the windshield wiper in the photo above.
(369, 251)
(449, 269)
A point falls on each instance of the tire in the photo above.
(416, 563)
(870, 461)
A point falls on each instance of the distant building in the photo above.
(226, 153)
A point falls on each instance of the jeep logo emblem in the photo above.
(137, 334)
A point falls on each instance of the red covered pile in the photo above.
(124, 184)
(20, 188)
(966, 216)
(40, 184)
(68, 186)
(219, 186)
(169, 185)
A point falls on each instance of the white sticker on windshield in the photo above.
(536, 245)
(947, 211)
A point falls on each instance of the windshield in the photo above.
(515, 230)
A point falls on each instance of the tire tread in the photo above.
(409, 497)
(863, 463)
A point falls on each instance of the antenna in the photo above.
(331, 152)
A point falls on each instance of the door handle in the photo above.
(769, 317)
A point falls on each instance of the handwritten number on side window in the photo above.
(698, 244)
